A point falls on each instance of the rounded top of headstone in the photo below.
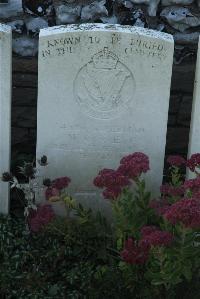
(106, 27)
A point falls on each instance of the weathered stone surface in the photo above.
(110, 20)
(12, 9)
(67, 14)
(17, 26)
(38, 14)
(113, 98)
(24, 96)
(152, 5)
(33, 25)
(5, 108)
(181, 2)
(25, 46)
(180, 18)
(186, 38)
(119, 11)
(94, 11)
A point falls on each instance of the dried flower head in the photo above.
(47, 182)
(28, 170)
(7, 177)
(43, 161)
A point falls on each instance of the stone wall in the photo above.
(178, 17)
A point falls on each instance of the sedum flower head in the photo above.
(113, 181)
(133, 253)
(193, 162)
(185, 212)
(61, 183)
(159, 206)
(176, 160)
(41, 217)
(7, 177)
(170, 190)
(52, 194)
(193, 185)
(134, 165)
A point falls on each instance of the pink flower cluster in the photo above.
(186, 212)
(134, 253)
(138, 252)
(53, 191)
(160, 206)
(193, 185)
(61, 183)
(113, 182)
(155, 237)
(168, 189)
(38, 219)
(193, 162)
(134, 165)
(176, 160)
(131, 167)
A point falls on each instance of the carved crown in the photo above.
(105, 59)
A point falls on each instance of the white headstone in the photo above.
(103, 93)
(5, 106)
(194, 143)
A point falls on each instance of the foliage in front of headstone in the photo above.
(35, 217)
(150, 250)
(61, 261)
(158, 239)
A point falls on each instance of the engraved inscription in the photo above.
(104, 86)
(133, 46)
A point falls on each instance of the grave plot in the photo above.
(103, 93)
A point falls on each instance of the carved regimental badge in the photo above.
(104, 86)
